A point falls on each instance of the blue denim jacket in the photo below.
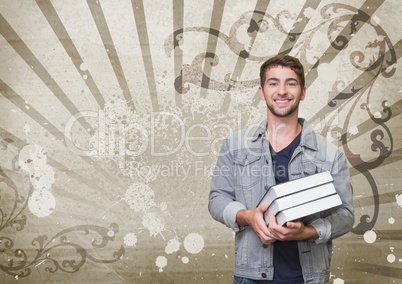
(242, 175)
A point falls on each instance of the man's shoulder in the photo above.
(317, 141)
(250, 132)
(246, 137)
(325, 147)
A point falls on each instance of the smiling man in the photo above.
(282, 148)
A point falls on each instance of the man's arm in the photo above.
(335, 222)
(222, 205)
(293, 231)
(255, 219)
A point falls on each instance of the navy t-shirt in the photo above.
(287, 268)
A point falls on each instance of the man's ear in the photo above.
(261, 92)
(303, 94)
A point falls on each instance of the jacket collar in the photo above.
(308, 138)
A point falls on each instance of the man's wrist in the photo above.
(309, 233)
(242, 218)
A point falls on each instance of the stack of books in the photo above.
(299, 198)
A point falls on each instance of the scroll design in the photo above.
(377, 135)
(50, 251)
(20, 264)
(334, 16)
(382, 62)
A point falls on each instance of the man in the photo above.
(282, 148)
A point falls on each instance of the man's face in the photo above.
(282, 91)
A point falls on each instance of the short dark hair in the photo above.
(283, 60)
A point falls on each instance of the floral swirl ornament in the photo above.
(382, 62)
(257, 22)
(65, 251)
(19, 264)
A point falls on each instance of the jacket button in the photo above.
(264, 275)
(266, 187)
(264, 245)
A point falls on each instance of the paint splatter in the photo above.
(194, 243)
(398, 198)
(32, 159)
(41, 203)
(153, 223)
(161, 262)
(391, 220)
(172, 246)
(339, 281)
(43, 177)
(130, 239)
(140, 197)
(391, 258)
(353, 130)
(370, 236)
(185, 259)
(26, 129)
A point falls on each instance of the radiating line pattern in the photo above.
(115, 185)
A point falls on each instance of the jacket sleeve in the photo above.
(338, 221)
(223, 206)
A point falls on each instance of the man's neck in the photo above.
(282, 131)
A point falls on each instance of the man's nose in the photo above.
(282, 89)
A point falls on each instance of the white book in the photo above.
(293, 186)
(298, 198)
(308, 208)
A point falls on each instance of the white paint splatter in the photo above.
(391, 220)
(83, 66)
(353, 130)
(140, 197)
(130, 239)
(32, 159)
(398, 198)
(42, 177)
(391, 258)
(153, 224)
(41, 203)
(338, 281)
(370, 236)
(310, 12)
(193, 243)
(161, 262)
(172, 246)
(111, 233)
(163, 206)
(26, 129)
(32, 156)
(185, 259)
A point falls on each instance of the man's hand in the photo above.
(255, 219)
(293, 231)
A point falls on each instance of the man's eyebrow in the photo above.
(286, 80)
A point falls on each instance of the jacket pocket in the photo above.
(247, 169)
(248, 174)
(313, 166)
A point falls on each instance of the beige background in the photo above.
(112, 113)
